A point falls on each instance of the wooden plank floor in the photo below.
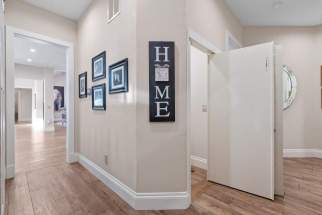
(45, 185)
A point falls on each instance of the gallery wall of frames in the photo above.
(118, 81)
(161, 81)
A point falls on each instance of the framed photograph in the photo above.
(99, 67)
(59, 98)
(118, 77)
(99, 97)
(82, 80)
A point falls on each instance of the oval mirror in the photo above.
(289, 87)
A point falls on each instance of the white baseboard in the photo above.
(199, 162)
(139, 201)
(302, 153)
(10, 171)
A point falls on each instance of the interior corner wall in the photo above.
(111, 132)
(301, 48)
(211, 19)
(161, 147)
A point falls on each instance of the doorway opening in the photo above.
(222, 145)
(199, 52)
(198, 116)
(40, 107)
(199, 105)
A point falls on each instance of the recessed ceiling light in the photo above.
(29, 60)
(278, 4)
(32, 50)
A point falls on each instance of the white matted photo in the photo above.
(99, 67)
(83, 85)
(118, 77)
(162, 73)
(99, 97)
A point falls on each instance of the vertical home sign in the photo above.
(162, 81)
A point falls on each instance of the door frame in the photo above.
(11, 32)
(196, 39)
(2, 111)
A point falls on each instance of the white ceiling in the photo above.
(277, 12)
(250, 12)
(45, 54)
(72, 9)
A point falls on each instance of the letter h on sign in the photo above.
(162, 81)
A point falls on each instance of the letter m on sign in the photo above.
(162, 81)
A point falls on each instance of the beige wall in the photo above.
(302, 50)
(134, 145)
(161, 147)
(142, 154)
(24, 16)
(211, 19)
(113, 132)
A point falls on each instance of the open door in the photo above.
(241, 119)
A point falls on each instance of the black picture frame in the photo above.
(118, 77)
(97, 59)
(102, 106)
(82, 76)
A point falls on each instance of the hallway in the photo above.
(45, 185)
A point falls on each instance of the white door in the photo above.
(241, 119)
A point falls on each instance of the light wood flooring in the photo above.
(45, 185)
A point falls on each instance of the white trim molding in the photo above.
(11, 33)
(139, 201)
(199, 162)
(230, 36)
(302, 153)
(193, 36)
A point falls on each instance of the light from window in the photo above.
(113, 9)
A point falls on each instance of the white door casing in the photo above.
(2, 111)
(70, 89)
